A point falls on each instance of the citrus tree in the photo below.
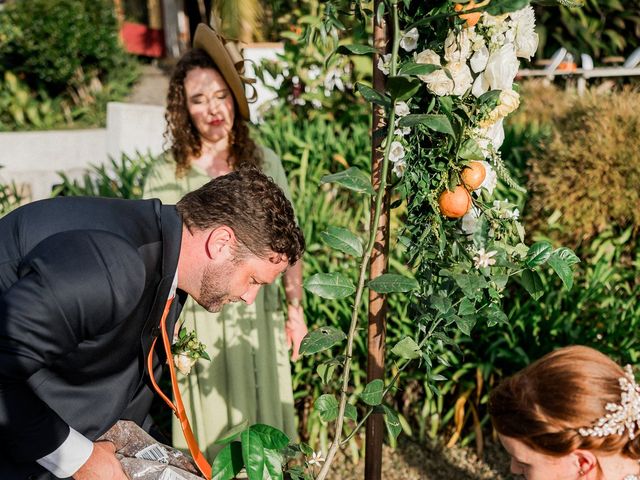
(449, 71)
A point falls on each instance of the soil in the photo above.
(411, 461)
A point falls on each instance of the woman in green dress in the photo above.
(249, 376)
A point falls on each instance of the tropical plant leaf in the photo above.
(330, 285)
(228, 462)
(270, 437)
(252, 454)
(352, 178)
(406, 348)
(321, 339)
(354, 49)
(392, 421)
(436, 122)
(373, 392)
(538, 254)
(373, 96)
(402, 88)
(343, 240)
(327, 406)
(232, 433)
(532, 283)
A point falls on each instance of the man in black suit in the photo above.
(83, 283)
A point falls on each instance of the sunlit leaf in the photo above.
(406, 348)
(343, 240)
(321, 339)
(330, 285)
(391, 282)
(373, 392)
(352, 178)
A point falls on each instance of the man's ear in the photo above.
(220, 243)
(586, 460)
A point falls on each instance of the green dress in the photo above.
(249, 376)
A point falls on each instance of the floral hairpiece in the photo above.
(623, 415)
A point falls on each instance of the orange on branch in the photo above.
(454, 204)
(473, 175)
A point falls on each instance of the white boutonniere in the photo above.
(187, 350)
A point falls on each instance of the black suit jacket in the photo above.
(83, 282)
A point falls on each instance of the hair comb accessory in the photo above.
(623, 416)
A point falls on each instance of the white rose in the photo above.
(479, 59)
(480, 86)
(508, 101)
(383, 63)
(490, 180)
(439, 83)
(429, 57)
(457, 48)
(502, 68)
(490, 139)
(409, 40)
(183, 363)
(397, 151)
(402, 109)
(401, 132)
(526, 38)
(462, 77)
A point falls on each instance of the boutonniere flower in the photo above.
(187, 350)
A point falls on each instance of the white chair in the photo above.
(632, 60)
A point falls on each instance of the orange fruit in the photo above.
(454, 204)
(473, 175)
(471, 18)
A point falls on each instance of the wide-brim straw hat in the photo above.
(228, 59)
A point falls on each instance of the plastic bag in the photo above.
(144, 458)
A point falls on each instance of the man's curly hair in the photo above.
(182, 135)
(253, 206)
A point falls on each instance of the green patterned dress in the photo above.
(249, 376)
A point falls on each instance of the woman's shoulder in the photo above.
(271, 163)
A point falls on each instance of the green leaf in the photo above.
(252, 454)
(321, 339)
(327, 406)
(373, 392)
(232, 433)
(500, 7)
(567, 255)
(470, 284)
(402, 88)
(373, 96)
(343, 240)
(490, 98)
(562, 269)
(350, 411)
(435, 122)
(330, 285)
(270, 436)
(538, 253)
(406, 348)
(325, 370)
(273, 461)
(352, 178)
(532, 283)
(412, 68)
(465, 324)
(355, 49)
(392, 282)
(470, 150)
(467, 307)
(228, 462)
(392, 421)
(495, 315)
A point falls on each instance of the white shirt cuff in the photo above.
(68, 457)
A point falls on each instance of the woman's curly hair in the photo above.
(182, 135)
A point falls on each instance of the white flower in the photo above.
(489, 20)
(508, 101)
(470, 221)
(480, 86)
(399, 168)
(462, 77)
(409, 40)
(484, 259)
(457, 48)
(429, 57)
(490, 180)
(316, 458)
(314, 72)
(402, 109)
(490, 138)
(526, 38)
(439, 83)
(479, 59)
(401, 132)
(183, 363)
(502, 67)
(505, 211)
(383, 63)
(397, 151)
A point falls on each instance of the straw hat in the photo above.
(228, 59)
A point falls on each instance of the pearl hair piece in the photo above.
(622, 416)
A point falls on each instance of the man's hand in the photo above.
(102, 464)
(295, 329)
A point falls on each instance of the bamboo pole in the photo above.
(378, 265)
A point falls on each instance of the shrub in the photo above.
(48, 41)
(587, 177)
